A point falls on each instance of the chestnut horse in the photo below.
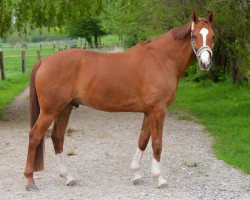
(142, 79)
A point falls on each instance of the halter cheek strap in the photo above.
(202, 49)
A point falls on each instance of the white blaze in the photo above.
(204, 55)
(204, 33)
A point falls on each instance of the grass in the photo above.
(15, 81)
(11, 88)
(224, 110)
(109, 39)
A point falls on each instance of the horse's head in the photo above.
(202, 40)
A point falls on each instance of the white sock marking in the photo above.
(61, 163)
(156, 168)
(135, 164)
(156, 172)
(63, 169)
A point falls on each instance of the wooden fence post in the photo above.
(39, 55)
(23, 62)
(81, 44)
(2, 66)
(58, 44)
(54, 46)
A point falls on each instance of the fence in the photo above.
(35, 51)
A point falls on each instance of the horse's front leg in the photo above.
(156, 117)
(142, 144)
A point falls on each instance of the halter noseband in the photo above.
(203, 48)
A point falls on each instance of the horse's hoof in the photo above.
(31, 187)
(138, 181)
(162, 185)
(71, 182)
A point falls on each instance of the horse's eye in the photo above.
(194, 37)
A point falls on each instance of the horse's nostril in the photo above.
(205, 66)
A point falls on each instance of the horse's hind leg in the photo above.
(57, 137)
(142, 144)
(36, 134)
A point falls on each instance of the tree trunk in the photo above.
(96, 40)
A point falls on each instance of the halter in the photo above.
(203, 48)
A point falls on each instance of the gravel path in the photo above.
(104, 144)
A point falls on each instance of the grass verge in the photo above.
(224, 109)
(10, 89)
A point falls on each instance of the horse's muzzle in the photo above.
(205, 66)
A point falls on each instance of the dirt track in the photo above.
(104, 144)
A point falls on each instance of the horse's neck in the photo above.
(186, 56)
(177, 54)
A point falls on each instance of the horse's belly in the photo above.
(112, 102)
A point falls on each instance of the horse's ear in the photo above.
(194, 17)
(210, 17)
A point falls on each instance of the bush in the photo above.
(36, 38)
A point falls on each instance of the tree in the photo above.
(133, 19)
(231, 28)
(6, 9)
(21, 14)
(86, 28)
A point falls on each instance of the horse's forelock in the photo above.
(182, 32)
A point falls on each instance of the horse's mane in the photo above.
(178, 33)
(181, 32)
(145, 42)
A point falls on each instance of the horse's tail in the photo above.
(34, 113)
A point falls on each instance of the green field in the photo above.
(224, 109)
